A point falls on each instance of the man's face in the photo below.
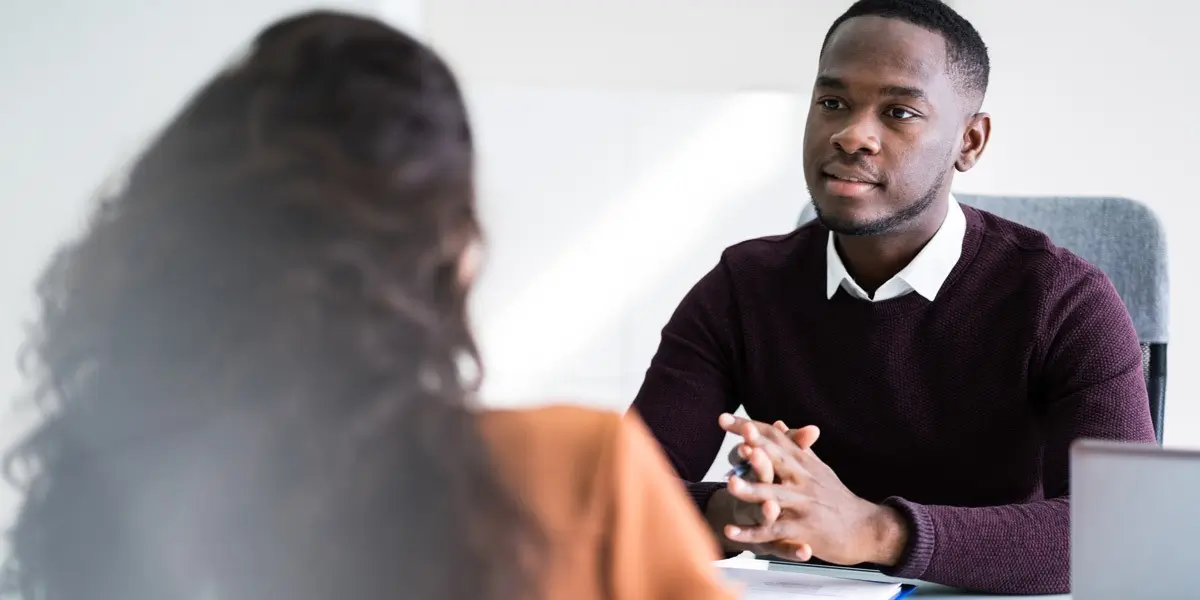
(884, 128)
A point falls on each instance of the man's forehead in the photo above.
(882, 48)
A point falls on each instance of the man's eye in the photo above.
(830, 104)
(900, 113)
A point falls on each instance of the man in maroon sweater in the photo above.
(947, 356)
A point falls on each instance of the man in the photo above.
(948, 357)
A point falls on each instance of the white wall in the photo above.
(676, 45)
(603, 207)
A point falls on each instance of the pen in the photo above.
(741, 469)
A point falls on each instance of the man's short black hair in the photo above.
(967, 54)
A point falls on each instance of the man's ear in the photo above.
(975, 139)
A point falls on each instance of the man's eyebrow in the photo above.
(905, 91)
(834, 83)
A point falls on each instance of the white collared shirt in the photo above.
(924, 275)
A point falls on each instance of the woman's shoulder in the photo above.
(551, 436)
(559, 460)
(607, 497)
(553, 422)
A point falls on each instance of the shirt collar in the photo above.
(924, 275)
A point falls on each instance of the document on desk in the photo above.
(757, 584)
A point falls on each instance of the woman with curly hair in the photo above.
(255, 365)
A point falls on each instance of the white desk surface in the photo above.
(923, 589)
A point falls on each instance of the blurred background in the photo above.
(623, 145)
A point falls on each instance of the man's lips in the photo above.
(850, 174)
(847, 186)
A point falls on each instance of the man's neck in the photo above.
(874, 259)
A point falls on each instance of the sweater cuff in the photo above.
(702, 491)
(921, 540)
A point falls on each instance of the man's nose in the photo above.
(859, 135)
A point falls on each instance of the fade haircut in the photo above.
(967, 56)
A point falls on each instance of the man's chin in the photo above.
(845, 221)
(845, 224)
(854, 228)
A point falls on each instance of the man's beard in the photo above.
(885, 224)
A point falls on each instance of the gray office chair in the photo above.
(1125, 240)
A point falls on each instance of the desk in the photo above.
(923, 589)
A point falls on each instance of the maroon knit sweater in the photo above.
(958, 412)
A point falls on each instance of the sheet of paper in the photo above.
(744, 561)
(757, 584)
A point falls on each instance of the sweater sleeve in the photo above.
(690, 381)
(1091, 385)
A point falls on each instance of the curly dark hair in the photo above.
(252, 361)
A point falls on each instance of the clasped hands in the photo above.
(795, 507)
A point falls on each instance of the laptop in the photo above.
(1135, 522)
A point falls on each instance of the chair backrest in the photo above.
(1124, 239)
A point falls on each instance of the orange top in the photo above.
(618, 522)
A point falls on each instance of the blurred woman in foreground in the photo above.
(255, 364)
